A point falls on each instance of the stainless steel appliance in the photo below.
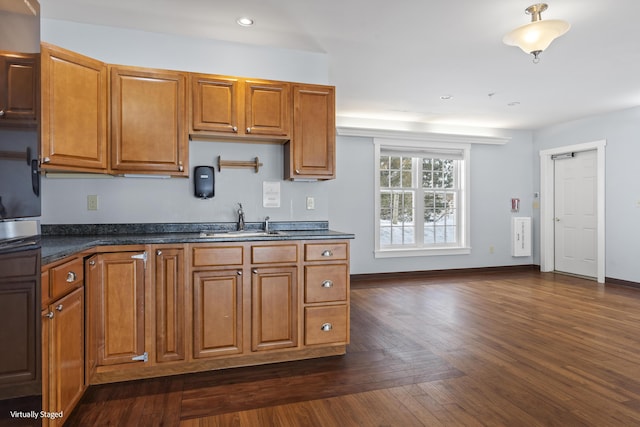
(20, 294)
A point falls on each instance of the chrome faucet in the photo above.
(266, 224)
(240, 218)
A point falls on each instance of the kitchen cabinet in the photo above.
(149, 132)
(64, 333)
(218, 299)
(310, 154)
(19, 89)
(19, 324)
(274, 308)
(217, 313)
(74, 111)
(326, 293)
(118, 307)
(63, 337)
(203, 306)
(240, 108)
(170, 303)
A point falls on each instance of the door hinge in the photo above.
(144, 357)
(142, 256)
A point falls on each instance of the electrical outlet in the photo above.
(311, 203)
(92, 202)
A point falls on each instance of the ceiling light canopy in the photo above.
(536, 36)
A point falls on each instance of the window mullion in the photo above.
(419, 201)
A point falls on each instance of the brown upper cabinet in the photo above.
(19, 89)
(121, 119)
(231, 107)
(148, 121)
(74, 111)
(310, 154)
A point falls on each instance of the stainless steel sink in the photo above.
(246, 233)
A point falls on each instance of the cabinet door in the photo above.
(170, 313)
(66, 373)
(19, 89)
(274, 310)
(74, 111)
(214, 104)
(217, 313)
(311, 151)
(148, 121)
(267, 108)
(119, 296)
(19, 325)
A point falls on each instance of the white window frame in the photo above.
(463, 246)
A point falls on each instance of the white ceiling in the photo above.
(394, 59)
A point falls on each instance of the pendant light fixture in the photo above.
(537, 35)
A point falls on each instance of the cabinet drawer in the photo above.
(268, 254)
(328, 251)
(65, 277)
(323, 325)
(217, 256)
(324, 283)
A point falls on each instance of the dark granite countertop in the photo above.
(60, 241)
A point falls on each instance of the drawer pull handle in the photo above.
(326, 327)
(59, 307)
(71, 277)
(327, 253)
(327, 284)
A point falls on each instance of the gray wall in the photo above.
(124, 200)
(621, 130)
(498, 173)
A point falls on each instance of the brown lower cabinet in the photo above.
(63, 335)
(155, 310)
(63, 338)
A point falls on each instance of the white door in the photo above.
(575, 212)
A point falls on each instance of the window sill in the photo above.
(420, 252)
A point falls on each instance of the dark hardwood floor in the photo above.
(517, 348)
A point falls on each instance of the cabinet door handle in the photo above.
(254, 271)
(298, 171)
(327, 253)
(248, 130)
(49, 315)
(235, 128)
(326, 327)
(46, 160)
(59, 307)
(92, 262)
(71, 277)
(158, 252)
(1, 113)
(327, 284)
(240, 272)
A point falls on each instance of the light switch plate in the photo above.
(92, 202)
(311, 203)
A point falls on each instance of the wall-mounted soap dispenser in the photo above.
(203, 180)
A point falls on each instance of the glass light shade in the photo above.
(536, 36)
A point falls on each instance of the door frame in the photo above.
(547, 185)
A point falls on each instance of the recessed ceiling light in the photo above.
(245, 21)
(446, 97)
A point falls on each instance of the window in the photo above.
(421, 198)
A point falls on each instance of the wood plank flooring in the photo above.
(520, 348)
